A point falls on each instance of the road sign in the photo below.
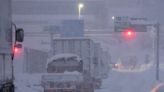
(139, 27)
(121, 23)
(72, 28)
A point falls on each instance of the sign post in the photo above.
(140, 25)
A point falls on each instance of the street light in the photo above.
(113, 17)
(80, 6)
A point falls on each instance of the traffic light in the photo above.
(19, 35)
(129, 33)
(17, 48)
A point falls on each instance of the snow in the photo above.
(60, 56)
(121, 81)
(28, 83)
(32, 82)
(117, 81)
(142, 68)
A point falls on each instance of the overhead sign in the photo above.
(121, 23)
(72, 28)
(139, 27)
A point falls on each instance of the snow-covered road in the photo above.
(117, 81)
(129, 81)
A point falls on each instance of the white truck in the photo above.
(5, 46)
(5, 37)
(83, 47)
(93, 65)
(90, 52)
(65, 74)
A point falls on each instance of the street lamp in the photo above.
(80, 6)
(113, 17)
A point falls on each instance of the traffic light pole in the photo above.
(157, 51)
(157, 38)
(119, 21)
(4, 68)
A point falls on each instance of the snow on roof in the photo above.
(60, 56)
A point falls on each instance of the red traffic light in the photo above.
(17, 47)
(129, 33)
(16, 50)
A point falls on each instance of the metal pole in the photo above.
(51, 42)
(157, 40)
(12, 57)
(12, 68)
(79, 12)
(4, 74)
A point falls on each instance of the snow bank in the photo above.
(130, 81)
(142, 68)
(28, 83)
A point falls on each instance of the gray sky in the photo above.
(99, 9)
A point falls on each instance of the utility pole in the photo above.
(157, 51)
(4, 68)
(51, 42)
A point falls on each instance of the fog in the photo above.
(35, 16)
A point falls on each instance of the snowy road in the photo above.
(116, 82)
(129, 81)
